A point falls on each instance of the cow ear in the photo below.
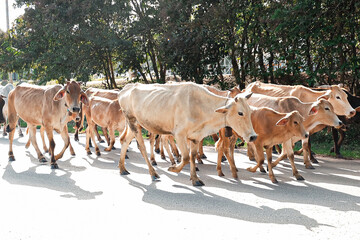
(59, 95)
(326, 96)
(282, 121)
(2, 96)
(314, 110)
(222, 110)
(357, 109)
(84, 99)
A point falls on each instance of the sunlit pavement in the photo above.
(88, 199)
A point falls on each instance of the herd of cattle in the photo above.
(263, 115)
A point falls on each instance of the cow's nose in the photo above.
(352, 113)
(253, 138)
(306, 135)
(76, 109)
(77, 119)
(340, 123)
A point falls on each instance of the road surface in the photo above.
(87, 198)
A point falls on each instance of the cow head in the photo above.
(293, 122)
(237, 114)
(339, 100)
(324, 113)
(2, 103)
(72, 94)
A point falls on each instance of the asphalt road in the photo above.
(87, 198)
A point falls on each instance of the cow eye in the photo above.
(67, 91)
(296, 123)
(337, 97)
(327, 109)
(240, 113)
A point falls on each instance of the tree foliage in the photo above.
(291, 42)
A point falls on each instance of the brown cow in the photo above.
(104, 93)
(316, 113)
(187, 111)
(44, 106)
(108, 115)
(272, 128)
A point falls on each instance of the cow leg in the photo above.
(106, 135)
(152, 143)
(174, 149)
(157, 144)
(97, 134)
(269, 159)
(287, 146)
(162, 142)
(259, 156)
(139, 138)
(299, 152)
(342, 136)
(49, 132)
(312, 158)
(220, 149)
(337, 141)
(42, 135)
(65, 136)
(250, 152)
(90, 134)
(167, 148)
(125, 139)
(181, 142)
(4, 131)
(281, 157)
(201, 149)
(229, 153)
(32, 136)
(10, 128)
(20, 132)
(194, 147)
(112, 139)
(305, 146)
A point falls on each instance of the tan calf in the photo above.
(44, 106)
(187, 111)
(315, 114)
(108, 115)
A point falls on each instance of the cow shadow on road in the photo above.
(287, 190)
(201, 201)
(58, 180)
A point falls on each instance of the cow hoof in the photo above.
(113, 148)
(200, 161)
(309, 167)
(197, 169)
(11, 158)
(155, 177)
(124, 172)
(54, 166)
(220, 174)
(89, 153)
(21, 135)
(198, 183)
(314, 160)
(178, 160)
(339, 156)
(274, 180)
(163, 157)
(157, 151)
(263, 170)
(223, 159)
(101, 141)
(154, 163)
(126, 157)
(76, 139)
(107, 149)
(299, 178)
(42, 160)
(5, 134)
(98, 154)
(203, 156)
(252, 159)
